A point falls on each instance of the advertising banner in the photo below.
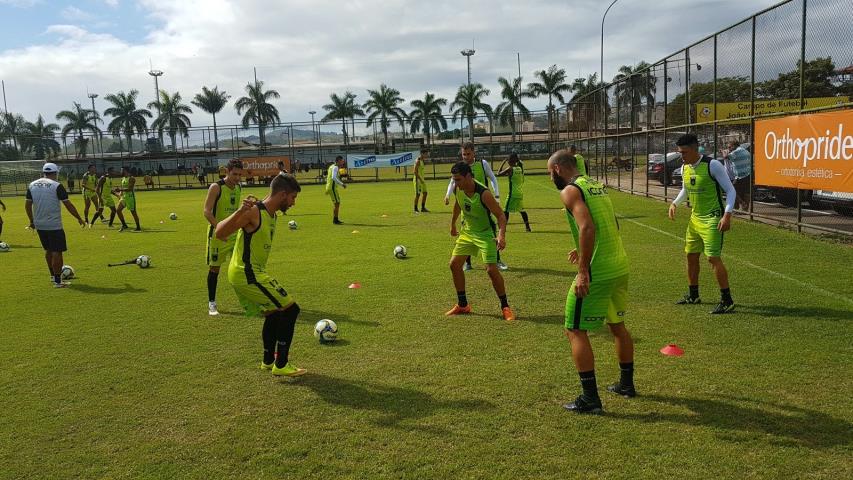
(739, 111)
(263, 166)
(382, 161)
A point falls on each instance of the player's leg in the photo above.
(581, 315)
(284, 339)
(526, 220)
(417, 197)
(456, 262)
(87, 202)
(131, 205)
(424, 193)
(488, 254)
(121, 216)
(621, 338)
(693, 247)
(501, 265)
(1, 228)
(726, 304)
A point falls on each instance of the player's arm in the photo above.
(492, 178)
(212, 192)
(241, 218)
(417, 174)
(336, 176)
(450, 187)
(28, 206)
(63, 197)
(718, 172)
(506, 172)
(99, 187)
(573, 201)
(679, 199)
(131, 183)
(493, 206)
(453, 218)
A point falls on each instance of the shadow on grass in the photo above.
(787, 424)
(13, 247)
(337, 343)
(127, 288)
(376, 225)
(772, 311)
(546, 232)
(394, 406)
(527, 271)
(313, 316)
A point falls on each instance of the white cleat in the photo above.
(211, 309)
(502, 266)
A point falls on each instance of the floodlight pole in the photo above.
(601, 70)
(468, 52)
(156, 74)
(93, 96)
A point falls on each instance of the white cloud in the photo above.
(20, 3)
(111, 3)
(74, 14)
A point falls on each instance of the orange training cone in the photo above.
(354, 285)
(672, 350)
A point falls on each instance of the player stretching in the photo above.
(254, 224)
(128, 199)
(105, 196)
(333, 182)
(704, 181)
(475, 202)
(90, 193)
(480, 170)
(223, 199)
(419, 180)
(599, 292)
(515, 200)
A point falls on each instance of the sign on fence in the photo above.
(380, 161)
(742, 110)
(810, 152)
(263, 166)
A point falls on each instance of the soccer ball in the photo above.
(400, 251)
(292, 225)
(144, 261)
(67, 273)
(326, 331)
(173, 216)
(4, 247)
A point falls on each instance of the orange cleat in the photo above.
(508, 315)
(457, 310)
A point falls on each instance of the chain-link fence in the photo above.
(794, 57)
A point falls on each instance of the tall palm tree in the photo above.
(258, 109)
(342, 108)
(212, 102)
(384, 103)
(468, 101)
(552, 82)
(11, 125)
(172, 117)
(127, 119)
(38, 138)
(586, 106)
(427, 115)
(631, 86)
(79, 120)
(513, 94)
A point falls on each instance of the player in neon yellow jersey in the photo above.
(419, 180)
(333, 186)
(105, 190)
(255, 225)
(223, 199)
(581, 162)
(704, 181)
(128, 199)
(599, 293)
(90, 193)
(477, 205)
(515, 199)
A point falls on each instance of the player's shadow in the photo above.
(527, 271)
(313, 316)
(13, 247)
(394, 406)
(376, 225)
(337, 343)
(546, 232)
(749, 420)
(772, 311)
(127, 288)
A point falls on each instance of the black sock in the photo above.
(626, 374)
(590, 389)
(694, 291)
(468, 262)
(112, 217)
(212, 279)
(504, 302)
(416, 207)
(94, 218)
(461, 299)
(86, 217)
(57, 278)
(726, 295)
(284, 336)
(499, 256)
(526, 220)
(268, 336)
(506, 214)
(1, 229)
(423, 205)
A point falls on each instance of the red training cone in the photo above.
(672, 350)
(354, 285)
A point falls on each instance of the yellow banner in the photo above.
(734, 110)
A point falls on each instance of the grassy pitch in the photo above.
(124, 375)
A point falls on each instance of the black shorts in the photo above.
(53, 240)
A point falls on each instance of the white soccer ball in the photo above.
(4, 247)
(400, 251)
(173, 216)
(144, 261)
(67, 273)
(326, 331)
(292, 225)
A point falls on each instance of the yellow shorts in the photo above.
(606, 301)
(703, 236)
(218, 252)
(263, 295)
(474, 244)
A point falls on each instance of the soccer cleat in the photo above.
(502, 266)
(288, 371)
(688, 300)
(508, 315)
(467, 268)
(424, 210)
(337, 222)
(211, 309)
(723, 307)
(123, 228)
(137, 229)
(625, 391)
(61, 285)
(457, 310)
(267, 366)
(583, 404)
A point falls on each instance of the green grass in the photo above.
(124, 375)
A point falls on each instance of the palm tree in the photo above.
(342, 108)
(383, 103)
(468, 101)
(586, 105)
(631, 86)
(79, 120)
(38, 138)
(127, 119)
(212, 102)
(258, 108)
(512, 93)
(11, 125)
(552, 82)
(172, 117)
(427, 115)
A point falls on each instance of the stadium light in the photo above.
(468, 52)
(601, 70)
(93, 96)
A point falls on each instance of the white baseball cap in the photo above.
(50, 168)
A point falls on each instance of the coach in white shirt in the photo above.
(43, 198)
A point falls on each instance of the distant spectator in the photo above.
(70, 179)
(199, 172)
(573, 150)
(739, 167)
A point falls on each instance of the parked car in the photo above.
(661, 167)
(841, 202)
(676, 176)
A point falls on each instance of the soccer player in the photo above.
(255, 224)
(480, 170)
(223, 199)
(599, 292)
(333, 183)
(90, 194)
(704, 180)
(128, 199)
(104, 187)
(43, 198)
(419, 180)
(515, 200)
(477, 205)
(581, 162)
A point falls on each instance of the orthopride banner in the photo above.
(810, 152)
(264, 166)
(381, 161)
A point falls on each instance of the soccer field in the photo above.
(124, 375)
